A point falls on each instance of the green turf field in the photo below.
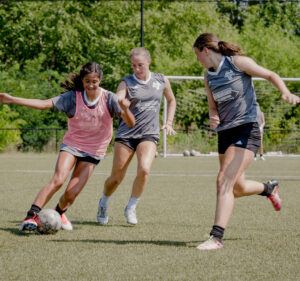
(175, 215)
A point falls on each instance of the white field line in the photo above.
(160, 174)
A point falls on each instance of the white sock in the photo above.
(133, 202)
(104, 200)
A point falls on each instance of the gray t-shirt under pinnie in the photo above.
(66, 103)
(234, 94)
(145, 98)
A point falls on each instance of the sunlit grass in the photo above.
(175, 215)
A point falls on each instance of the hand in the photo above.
(291, 98)
(214, 121)
(124, 103)
(169, 129)
(5, 98)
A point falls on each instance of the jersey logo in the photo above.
(229, 74)
(155, 85)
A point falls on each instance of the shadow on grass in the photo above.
(16, 231)
(93, 223)
(189, 244)
(128, 242)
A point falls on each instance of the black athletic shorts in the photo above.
(80, 155)
(245, 136)
(133, 143)
(87, 159)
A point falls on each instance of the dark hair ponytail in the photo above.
(212, 42)
(74, 81)
(230, 49)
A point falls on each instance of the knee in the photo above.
(238, 190)
(223, 184)
(57, 181)
(114, 181)
(143, 172)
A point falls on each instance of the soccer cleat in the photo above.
(211, 244)
(254, 158)
(102, 215)
(29, 224)
(274, 197)
(130, 215)
(262, 158)
(66, 224)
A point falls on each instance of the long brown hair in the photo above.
(74, 81)
(212, 42)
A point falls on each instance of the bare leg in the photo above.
(64, 164)
(122, 157)
(82, 172)
(233, 164)
(145, 155)
(243, 187)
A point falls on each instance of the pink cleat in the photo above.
(274, 197)
(211, 244)
(30, 224)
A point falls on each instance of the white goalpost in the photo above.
(195, 94)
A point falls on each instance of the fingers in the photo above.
(213, 123)
(169, 130)
(4, 98)
(291, 98)
(124, 103)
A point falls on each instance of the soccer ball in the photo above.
(49, 221)
(186, 153)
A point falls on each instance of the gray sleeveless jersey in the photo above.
(234, 94)
(145, 98)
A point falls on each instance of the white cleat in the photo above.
(66, 224)
(211, 244)
(102, 215)
(130, 215)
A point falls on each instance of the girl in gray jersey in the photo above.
(90, 110)
(144, 89)
(233, 114)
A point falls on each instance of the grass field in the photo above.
(175, 215)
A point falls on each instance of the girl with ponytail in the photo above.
(233, 113)
(90, 110)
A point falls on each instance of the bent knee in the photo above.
(224, 184)
(57, 181)
(143, 172)
(114, 180)
(239, 189)
(237, 192)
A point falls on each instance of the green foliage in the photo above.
(284, 14)
(9, 119)
(43, 41)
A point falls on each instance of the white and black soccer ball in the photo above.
(186, 153)
(49, 221)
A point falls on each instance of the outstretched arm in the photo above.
(34, 103)
(124, 103)
(249, 66)
(171, 108)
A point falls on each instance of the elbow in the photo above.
(272, 77)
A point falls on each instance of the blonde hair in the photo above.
(140, 51)
(212, 42)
